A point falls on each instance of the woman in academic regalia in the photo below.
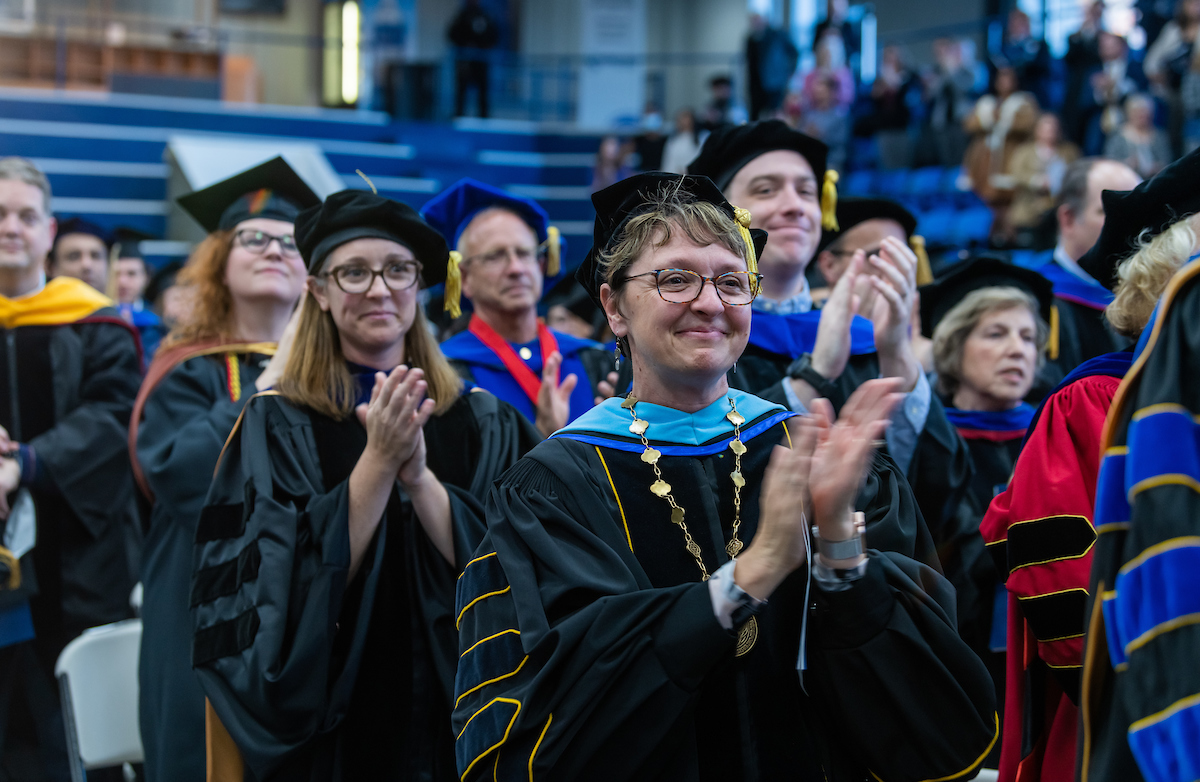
(247, 276)
(988, 325)
(642, 606)
(342, 511)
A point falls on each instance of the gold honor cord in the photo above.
(748, 632)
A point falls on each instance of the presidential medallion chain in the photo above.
(748, 632)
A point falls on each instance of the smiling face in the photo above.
(371, 325)
(691, 345)
(502, 270)
(783, 196)
(26, 229)
(999, 360)
(272, 274)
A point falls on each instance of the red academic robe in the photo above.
(1041, 533)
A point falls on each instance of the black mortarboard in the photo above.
(128, 241)
(568, 293)
(852, 211)
(77, 225)
(163, 279)
(271, 190)
(728, 149)
(358, 214)
(616, 204)
(1153, 205)
(940, 297)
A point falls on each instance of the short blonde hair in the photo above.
(23, 170)
(316, 375)
(1143, 276)
(670, 209)
(956, 326)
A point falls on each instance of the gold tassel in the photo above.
(553, 251)
(1052, 340)
(14, 568)
(453, 284)
(829, 201)
(742, 216)
(367, 180)
(924, 270)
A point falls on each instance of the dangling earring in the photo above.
(735, 367)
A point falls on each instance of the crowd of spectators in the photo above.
(1013, 116)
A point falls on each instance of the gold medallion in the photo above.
(733, 547)
(677, 515)
(639, 426)
(747, 635)
(738, 447)
(629, 402)
(735, 418)
(738, 480)
(525, 353)
(650, 455)
(660, 488)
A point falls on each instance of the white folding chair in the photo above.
(98, 679)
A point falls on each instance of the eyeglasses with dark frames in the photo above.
(355, 278)
(683, 286)
(257, 242)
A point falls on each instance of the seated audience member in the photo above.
(169, 297)
(509, 250)
(797, 353)
(128, 279)
(683, 144)
(600, 548)
(81, 251)
(67, 507)
(1053, 530)
(246, 276)
(1001, 122)
(1038, 168)
(988, 325)
(827, 121)
(1079, 331)
(1137, 142)
(357, 485)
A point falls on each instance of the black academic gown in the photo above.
(940, 468)
(590, 649)
(186, 420)
(316, 678)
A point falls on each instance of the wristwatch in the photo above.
(802, 369)
(842, 549)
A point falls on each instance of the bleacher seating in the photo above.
(104, 153)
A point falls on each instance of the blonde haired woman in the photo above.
(346, 504)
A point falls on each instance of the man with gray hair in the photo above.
(1077, 321)
(70, 369)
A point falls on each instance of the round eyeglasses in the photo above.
(683, 286)
(257, 242)
(397, 276)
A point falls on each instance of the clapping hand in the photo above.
(895, 288)
(394, 419)
(554, 398)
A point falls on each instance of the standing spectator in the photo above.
(1168, 59)
(1110, 84)
(1037, 170)
(71, 372)
(831, 64)
(722, 108)
(948, 87)
(836, 22)
(472, 32)
(684, 144)
(1081, 59)
(1190, 99)
(889, 95)
(1028, 56)
(826, 121)
(612, 163)
(650, 142)
(1001, 122)
(1137, 143)
(770, 61)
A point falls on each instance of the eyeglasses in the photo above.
(683, 286)
(397, 276)
(527, 256)
(258, 241)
